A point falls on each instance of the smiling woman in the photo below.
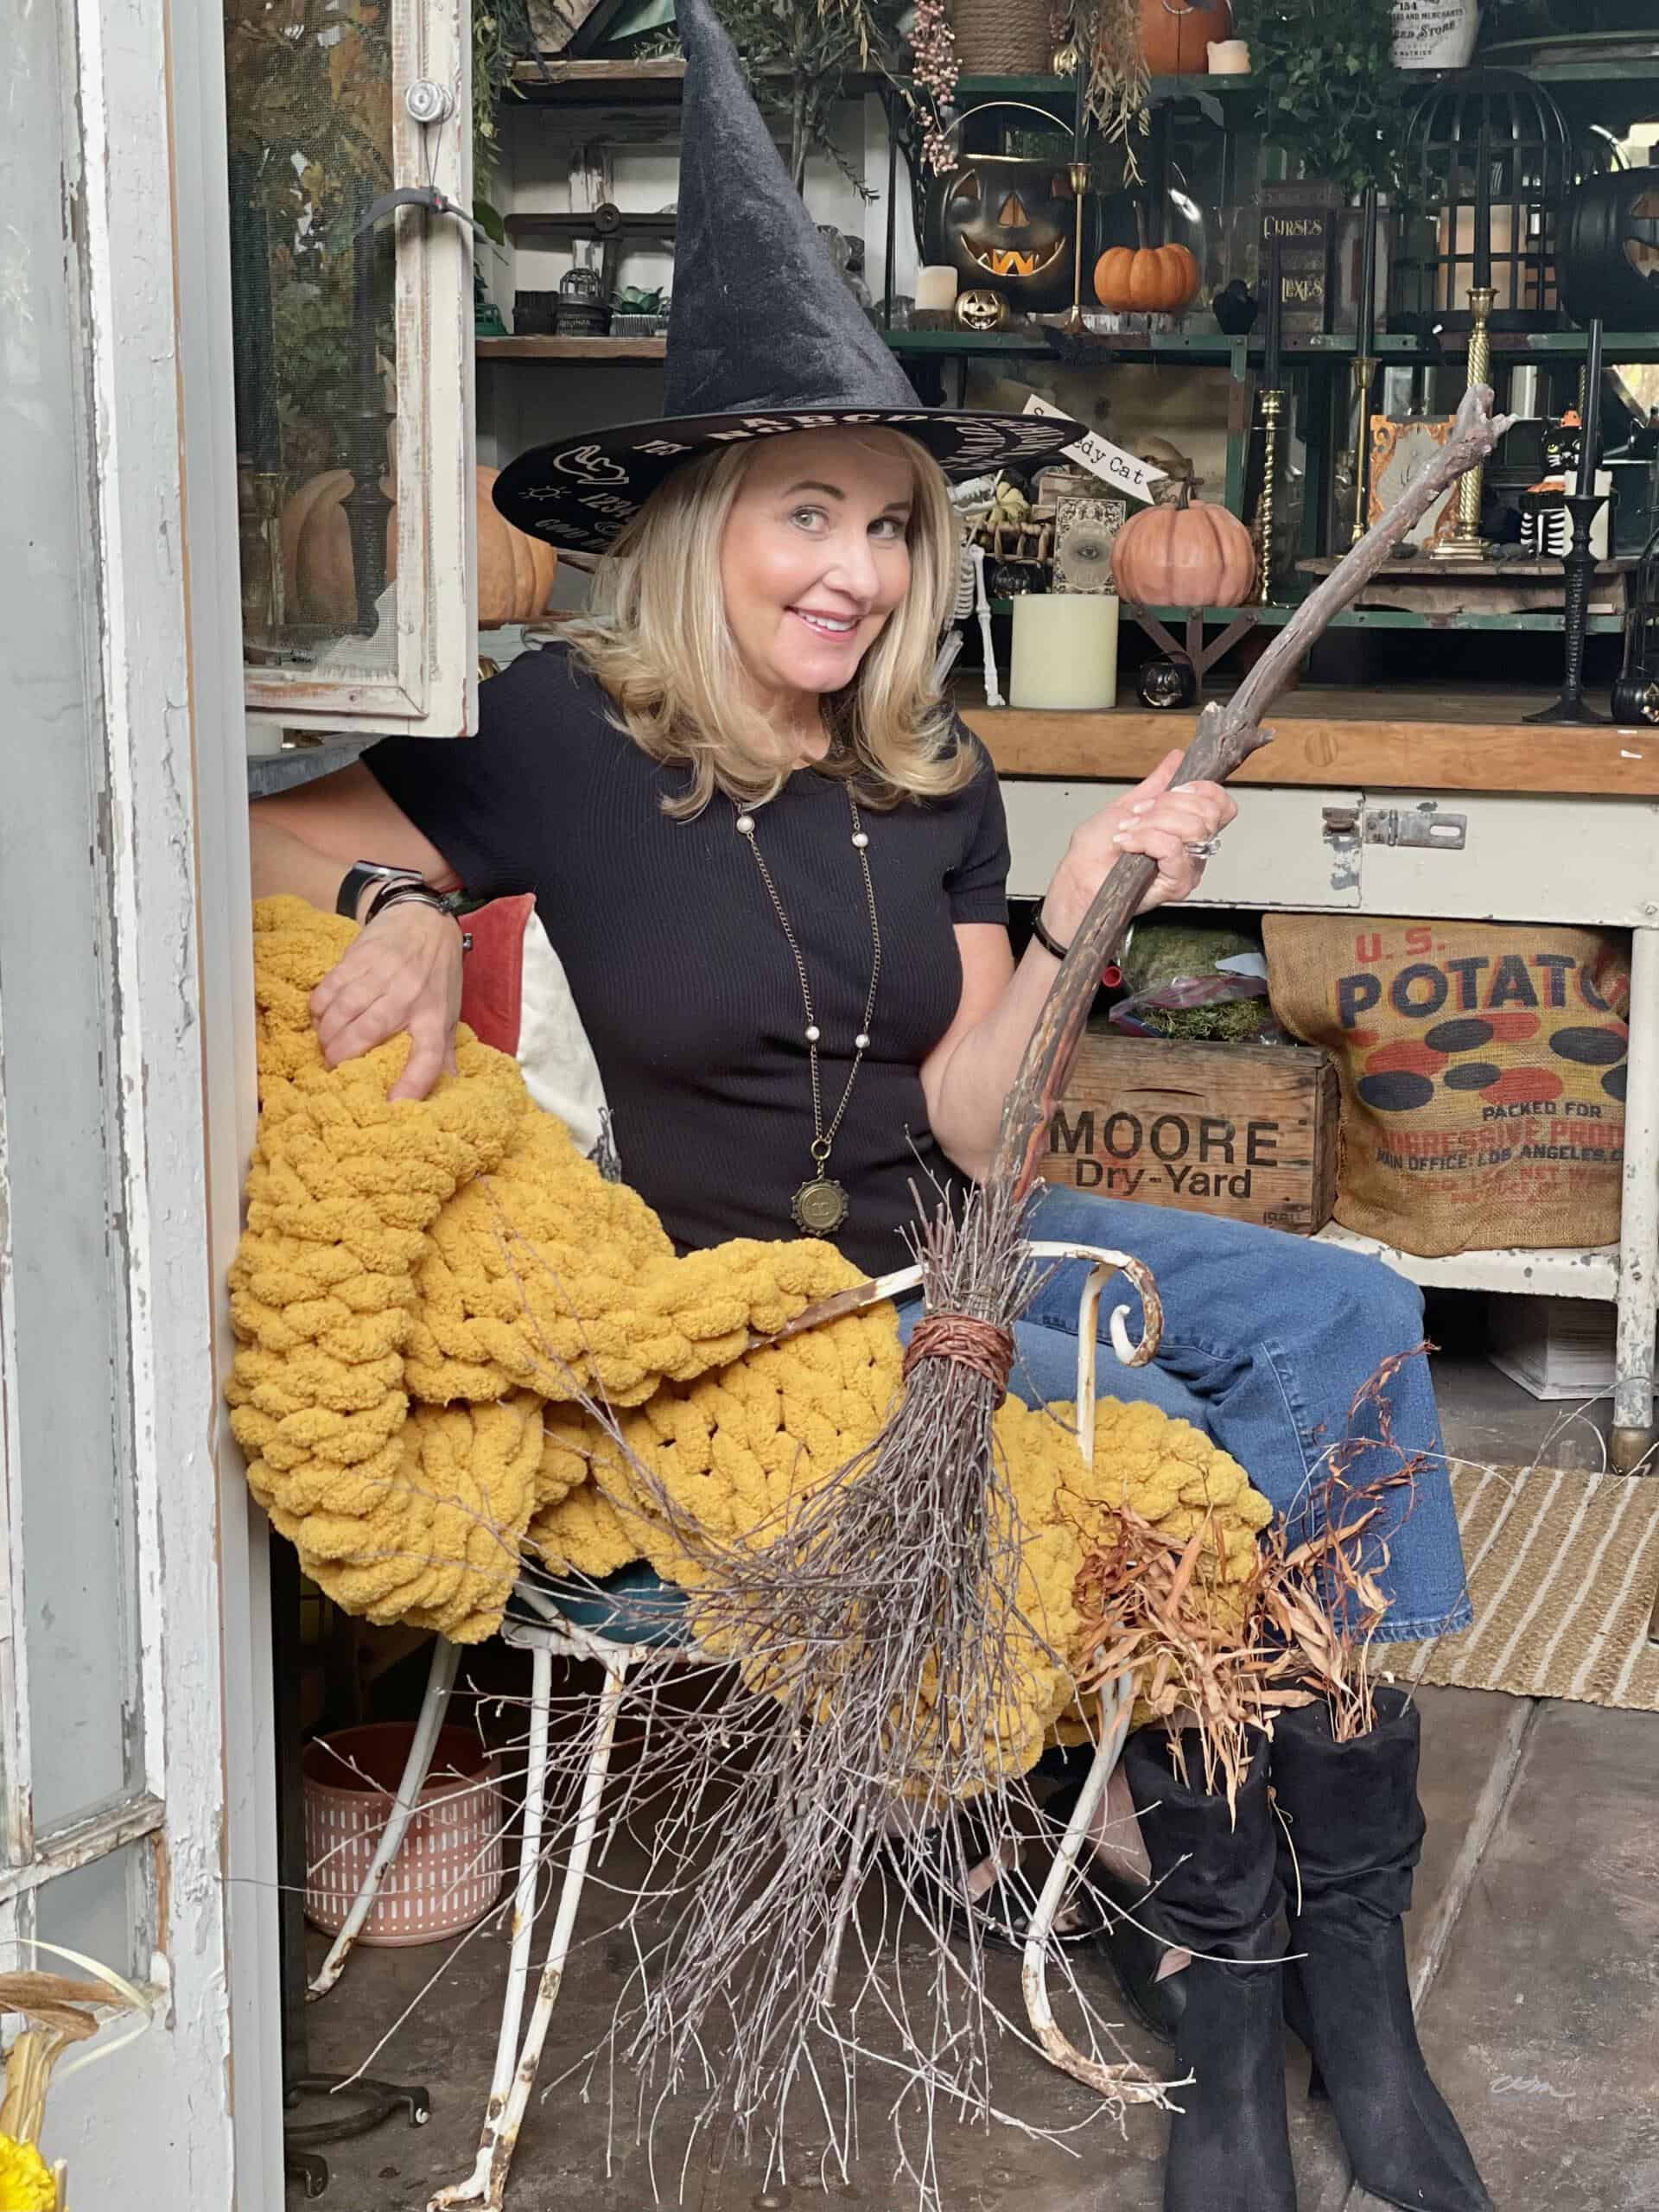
(775, 867)
(774, 600)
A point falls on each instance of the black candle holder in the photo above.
(1580, 564)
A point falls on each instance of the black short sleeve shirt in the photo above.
(682, 970)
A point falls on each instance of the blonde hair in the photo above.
(658, 642)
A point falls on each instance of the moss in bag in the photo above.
(1198, 981)
(1483, 1068)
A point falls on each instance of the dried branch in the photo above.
(1225, 738)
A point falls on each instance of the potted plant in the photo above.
(1329, 97)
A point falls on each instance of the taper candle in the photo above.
(1275, 312)
(1590, 435)
(1483, 257)
(1367, 271)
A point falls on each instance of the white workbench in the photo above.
(1564, 831)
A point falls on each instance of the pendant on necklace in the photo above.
(819, 1206)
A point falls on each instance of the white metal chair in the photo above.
(554, 1636)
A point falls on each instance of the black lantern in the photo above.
(1489, 164)
(1007, 222)
(1636, 695)
(1610, 250)
(582, 311)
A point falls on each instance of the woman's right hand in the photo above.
(402, 973)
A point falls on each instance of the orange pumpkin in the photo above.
(1146, 280)
(1185, 554)
(1174, 34)
(515, 572)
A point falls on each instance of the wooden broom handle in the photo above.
(1225, 738)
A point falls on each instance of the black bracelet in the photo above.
(1049, 942)
(400, 893)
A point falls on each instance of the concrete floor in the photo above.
(1535, 1942)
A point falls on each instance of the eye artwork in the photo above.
(1086, 532)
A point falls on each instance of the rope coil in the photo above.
(978, 1344)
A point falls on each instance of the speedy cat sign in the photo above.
(1124, 472)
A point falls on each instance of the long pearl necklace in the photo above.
(820, 1206)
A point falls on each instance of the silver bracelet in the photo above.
(419, 894)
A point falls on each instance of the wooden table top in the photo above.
(1400, 737)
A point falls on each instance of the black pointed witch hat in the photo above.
(764, 336)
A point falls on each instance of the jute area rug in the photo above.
(1563, 1566)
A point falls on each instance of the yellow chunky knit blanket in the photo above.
(426, 1292)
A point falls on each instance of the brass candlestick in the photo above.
(1364, 370)
(1466, 542)
(1272, 406)
(1074, 322)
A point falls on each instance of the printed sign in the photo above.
(1124, 472)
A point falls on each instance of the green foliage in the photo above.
(798, 55)
(502, 35)
(308, 103)
(1331, 99)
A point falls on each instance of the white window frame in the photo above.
(434, 691)
(194, 2106)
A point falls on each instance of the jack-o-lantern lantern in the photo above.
(982, 309)
(1007, 221)
(1146, 279)
(515, 572)
(1609, 255)
(1185, 553)
(1174, 34)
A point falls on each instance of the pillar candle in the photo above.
(936, 287)
(1065, 651)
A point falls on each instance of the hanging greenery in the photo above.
(503, 35)
(1117, 87)
(799, 54)
(1331, 99)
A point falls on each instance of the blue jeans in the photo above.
(1267, 1341)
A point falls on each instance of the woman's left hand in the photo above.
(1154, 819)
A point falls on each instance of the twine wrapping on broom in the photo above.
(978, 1344)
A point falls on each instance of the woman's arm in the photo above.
(967, 1076)
(403, 972)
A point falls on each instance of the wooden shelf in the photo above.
(569, 81)
(559, 227)
(570, 349)
(1379, 618)
(1401, 738)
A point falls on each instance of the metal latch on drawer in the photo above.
(1397, 825)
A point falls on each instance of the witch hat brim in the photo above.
(764, 336)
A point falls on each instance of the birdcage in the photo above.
(1489, 161)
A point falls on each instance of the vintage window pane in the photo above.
(309, 90)
(64, 1339)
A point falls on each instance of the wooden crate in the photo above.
(1250, 1131)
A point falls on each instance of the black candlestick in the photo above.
(1581, 567)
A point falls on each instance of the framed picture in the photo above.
(1400, 453)
(1086, 529)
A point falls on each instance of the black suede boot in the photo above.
(1218, 1895)
(1356, 1828)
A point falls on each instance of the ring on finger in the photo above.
(1205, 849)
